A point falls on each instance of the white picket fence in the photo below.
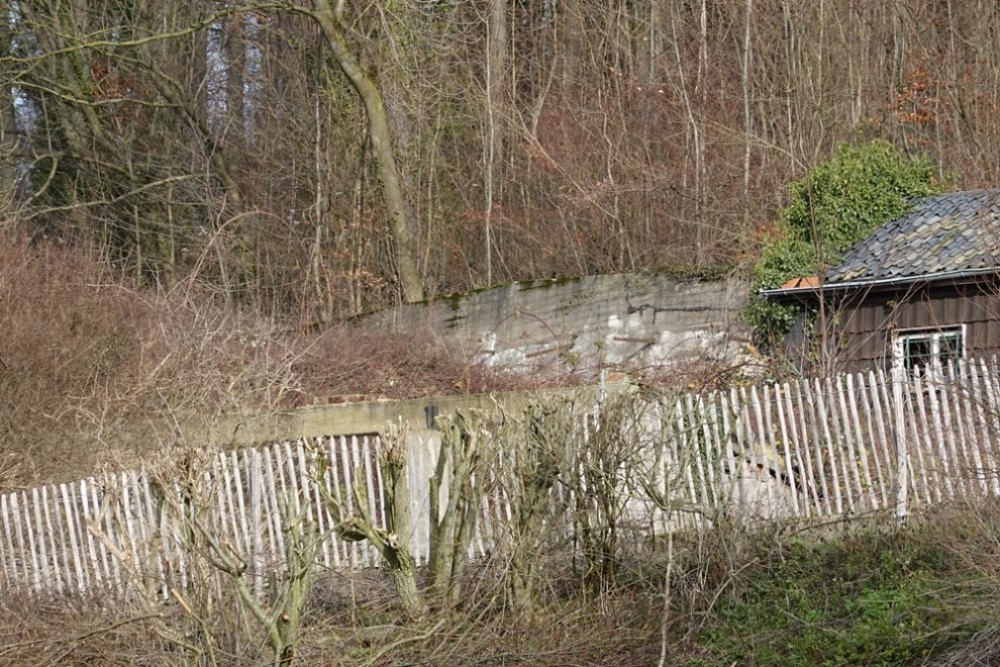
(844, 445)
(813, 448)
(97, 533)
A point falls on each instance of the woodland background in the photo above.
(195, 195)
(230, 140)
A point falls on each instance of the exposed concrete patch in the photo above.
(618, 321)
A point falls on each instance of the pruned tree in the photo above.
(393, 541)
(534, 467)
(457, 488)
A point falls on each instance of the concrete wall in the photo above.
(623, 320)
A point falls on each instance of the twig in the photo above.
(76, 638)
(406, 640)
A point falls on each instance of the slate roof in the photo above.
(946, 235)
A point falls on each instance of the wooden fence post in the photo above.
(902, 451)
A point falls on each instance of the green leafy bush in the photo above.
(838, 203)
(883, 600)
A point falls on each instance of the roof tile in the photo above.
(953, 232)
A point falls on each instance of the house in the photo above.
(921, 291)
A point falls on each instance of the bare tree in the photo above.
(325, 158)
(336, 32)
(496, 74)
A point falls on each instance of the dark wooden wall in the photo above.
(862, 324)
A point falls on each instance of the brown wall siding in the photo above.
(864, 324)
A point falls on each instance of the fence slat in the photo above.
(311, 451)
(732, 458)
(339, 547)
(681, 453)
(941, 450)
(960, 410)
(984, 456)
(856, 452)
(40, 531)
(950, 426)
(865, 446)
(714, 449)
(271, 493)
(835, 441)
(364, 452)
(992, 424)
(876, 433)
(231, 510)
(69, 509)
(885, 414)
(761, 441)
(925, 448)
(792, 470)
(816, 405)
(918, 472)
(255, 478)
(11, 573)
(814, 491)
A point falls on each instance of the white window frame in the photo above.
(934, 369)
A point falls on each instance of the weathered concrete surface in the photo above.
(370, 417)
(617, 321)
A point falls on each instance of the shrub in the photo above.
(838, 203)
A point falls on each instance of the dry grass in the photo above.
(869, 595)
(95, 370)
(359, 361)
(351, 620)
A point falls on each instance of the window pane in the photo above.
(916, 352)
(950, 348)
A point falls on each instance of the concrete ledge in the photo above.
(370, 417)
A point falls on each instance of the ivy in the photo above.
(838, 203)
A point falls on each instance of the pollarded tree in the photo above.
(838, 203)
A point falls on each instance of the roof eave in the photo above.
(793, 293)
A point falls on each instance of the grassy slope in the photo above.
(892, 598)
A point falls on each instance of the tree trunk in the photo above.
(381, 140)
(496, 75)
(7, 122)
(234, 48)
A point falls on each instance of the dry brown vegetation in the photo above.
(347, 622)
(860, 592)
(96, 370)
(165, 254)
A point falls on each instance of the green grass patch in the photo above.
(870, 599)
